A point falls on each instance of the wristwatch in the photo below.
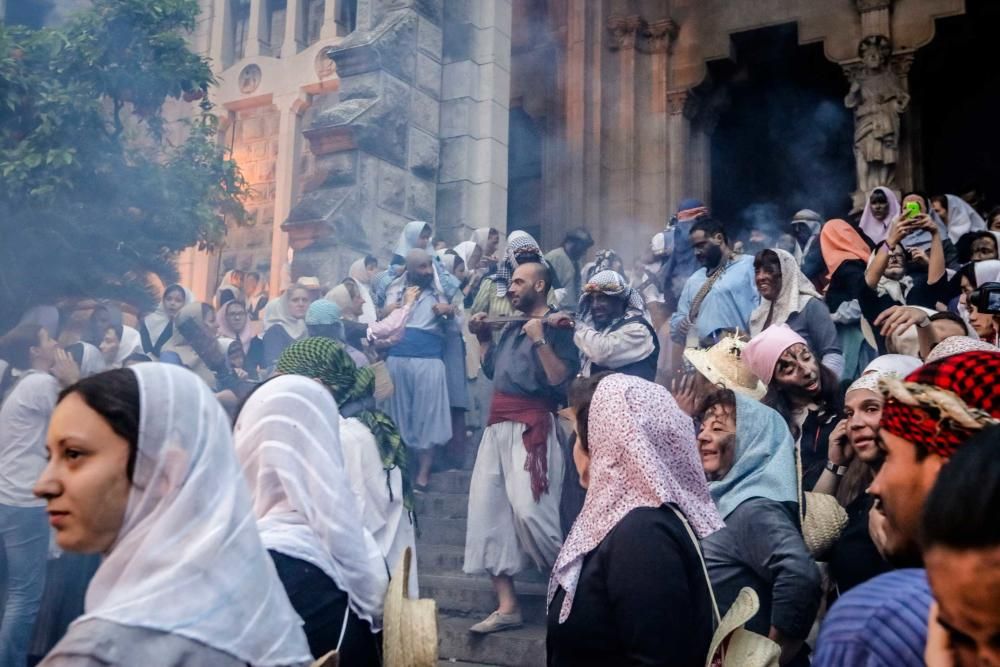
(539, 343)
(836, 469)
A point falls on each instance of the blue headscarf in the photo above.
(764, 461)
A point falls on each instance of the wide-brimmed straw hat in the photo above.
(723, 364)
(409, 635)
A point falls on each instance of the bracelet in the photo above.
(836, 469)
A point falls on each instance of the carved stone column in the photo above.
(654, 146)
(621, 179)
(682, 106)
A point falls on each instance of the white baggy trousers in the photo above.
(506, 527)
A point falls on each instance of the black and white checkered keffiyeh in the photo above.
(611, 283)
(520, 247)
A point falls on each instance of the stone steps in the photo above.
(442, 505)
(461, 595)
(520, 647)
(463, 599)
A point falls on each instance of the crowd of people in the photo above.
(791, 437)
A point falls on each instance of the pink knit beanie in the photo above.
(764, 349)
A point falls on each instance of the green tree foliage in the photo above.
(97, 189)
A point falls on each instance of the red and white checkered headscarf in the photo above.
(942, 404)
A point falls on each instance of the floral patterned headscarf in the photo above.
(643, 453)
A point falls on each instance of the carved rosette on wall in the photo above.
(249, 79)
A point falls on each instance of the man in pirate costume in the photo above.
(612, 329)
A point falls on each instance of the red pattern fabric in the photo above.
(974, 377)
(536, 415)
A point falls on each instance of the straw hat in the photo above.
(723, 364)
(743, 648)
(409, 637)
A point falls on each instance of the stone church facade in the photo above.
(351, 117)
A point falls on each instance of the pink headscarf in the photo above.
(245, 337)
(877, 231)
(643, 453)
(764, 350)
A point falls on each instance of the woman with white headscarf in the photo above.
(194, 344)
(788, 297)
(285, 322)
(957, 215)
(362, 275)
(881, 208)
(185, 579)
(157, 327)
(288, 442)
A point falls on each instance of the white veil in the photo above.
(288, 442)
(188, 559)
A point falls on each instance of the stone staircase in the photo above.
(464, 600)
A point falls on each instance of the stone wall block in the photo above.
(391, 188)
(493, 83)
(390, 47)
(459, 79)
(455, 159)
(425, 112)
(458, 40)
(428, 75)
(337, 169)
(429, 38)
(455, 117)
(424, 150)
(452, 205)
(421, 198)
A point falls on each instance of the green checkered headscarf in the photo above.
(326, 360)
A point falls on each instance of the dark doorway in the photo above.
(524, 174)
(956, 87)
(784, 141)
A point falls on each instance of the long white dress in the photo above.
(381, 504)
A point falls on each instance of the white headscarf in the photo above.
(158, 320)
(465, 250)
(870, 225)
(962, 218)
(278, 312)
(288, 442)
(899, 365)
(188, 559)
(987, 271)
(359, 272)
(796, 290)
(409, 236)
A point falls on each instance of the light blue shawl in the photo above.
(764, 461)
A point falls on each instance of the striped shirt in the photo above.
(882, 622)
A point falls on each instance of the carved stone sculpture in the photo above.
(877, 97)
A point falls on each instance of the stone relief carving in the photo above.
(659, 36)
(878, 98)
(325, 67)
(624, 30)
(249, 79)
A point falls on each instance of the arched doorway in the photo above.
(783, 142)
